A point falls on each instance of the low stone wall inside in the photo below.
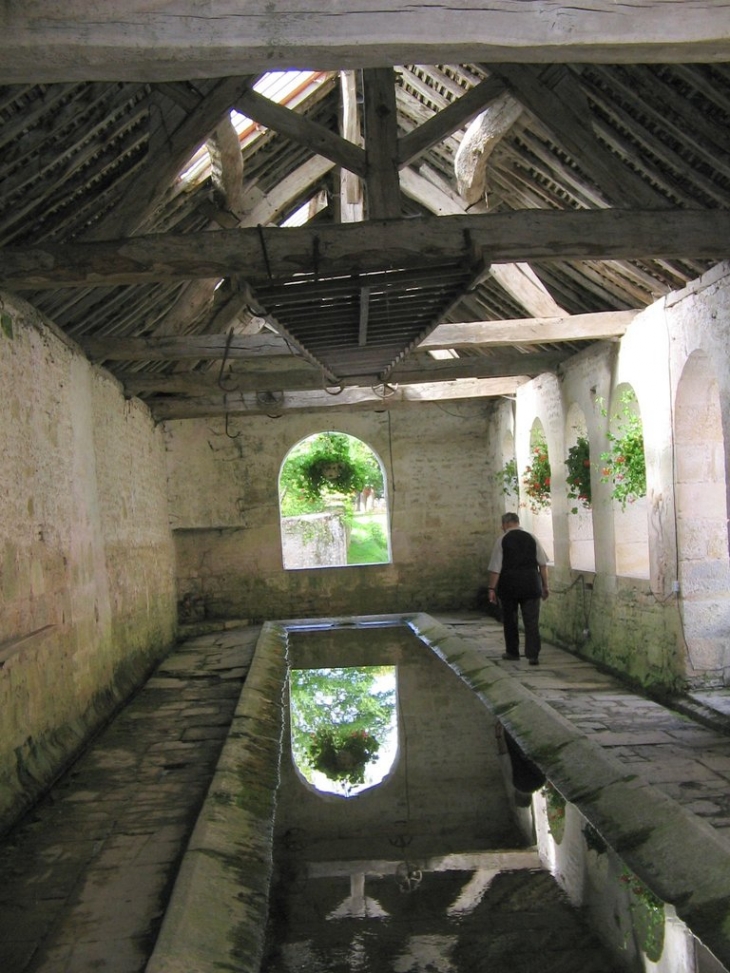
(217, 917)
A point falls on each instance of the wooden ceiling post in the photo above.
(381, 145)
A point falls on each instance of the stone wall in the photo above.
(225, 512)
(87, 571)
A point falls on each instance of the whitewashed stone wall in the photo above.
(661, 616)
(224, 508)
(87, 598)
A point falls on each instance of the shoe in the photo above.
(533, 662)
(508, 657)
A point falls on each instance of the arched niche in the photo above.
(580, 516)
(345, 520)
(509, 482)
(630, 518)
(702, 517)
(539, 517)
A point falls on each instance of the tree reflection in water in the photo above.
(343, 726)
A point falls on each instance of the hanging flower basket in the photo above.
(329, 468)
(624, 465)
(536, 478)
(579, 473)
(342, 753)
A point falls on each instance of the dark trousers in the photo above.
(530, 608)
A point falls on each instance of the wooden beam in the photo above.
(183, 348)
(350, 398)
(382, 187)
(291, 374)
(176, 39)
(422, 368)
(164, 163)
(352, 200)
(480, 139)
(298, 128)
(362, 337)
(372, 246)
(256, 376)
(528, 331)
(555, 97)
(448, 120)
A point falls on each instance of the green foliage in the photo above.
(6, 324)
(328, 706)
(556, 805)
(368, 543)
(342, 753)
(647, 910)
(624, 464)
(579, 473)
(536, 478)
(508, 479)
(324, 466)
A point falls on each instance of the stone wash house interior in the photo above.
(460, 234)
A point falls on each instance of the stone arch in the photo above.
(327, 537)
(510, 495)
(541, 520)
(630, 521)
(703, 566)
(580, 518)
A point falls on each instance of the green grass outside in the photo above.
(368, 540)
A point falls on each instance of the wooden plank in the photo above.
(174, 39)
(315, 137)
(350, 398)
(382, 187)
(528, 331)
(372, 246)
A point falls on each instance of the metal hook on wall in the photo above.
(227, 349)
(229, 434)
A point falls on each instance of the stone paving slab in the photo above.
(687, 761)
(85, 876)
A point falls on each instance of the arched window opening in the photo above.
(344, 731)
(624, 466)
(535, 489)
(578, 480)
(702, 516)
(507, 478)
(332, 502)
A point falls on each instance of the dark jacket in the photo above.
(520, 575)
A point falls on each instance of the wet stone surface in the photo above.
(85, 876)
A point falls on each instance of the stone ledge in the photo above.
(680, 857)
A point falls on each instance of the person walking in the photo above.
(518, 576)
